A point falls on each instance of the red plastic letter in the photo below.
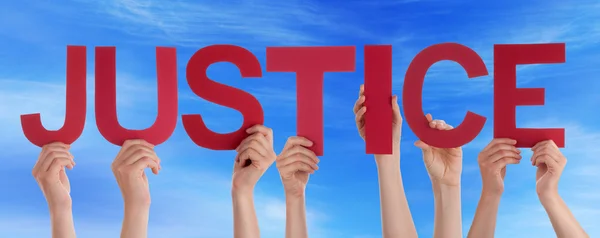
(106, 98)
(378, 94)
(76, 108)
(507, 96)
(413, 88)
(310, 64)
(222, 94)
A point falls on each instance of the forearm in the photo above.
(135, 221)
(564, 223)
(245, 223)
(62, 223)
(396, 218)
(295, 217)
(448, 217)
(484, 222)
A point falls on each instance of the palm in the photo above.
(64, 181)
(542, 176)
(295, 182)
(444, 164)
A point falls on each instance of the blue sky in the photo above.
(191, 196)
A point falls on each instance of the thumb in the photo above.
(422, 145)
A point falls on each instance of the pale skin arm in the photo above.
(49, 172)
(245, 223)
(550, 163)
(444, 166)
(135, 221)
(396, 218)
(128, 167)
(255, 156)
(484, 222)
(62, 223)
(295, 164)
(564, 223)
(295, 217)
(448, 216)
(493, 160)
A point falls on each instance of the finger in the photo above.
(52, 156)
(250, 156)
(139, 154)
(498, 147)
(131, 151)
(59, 164)
(145, 162)
(46, 149)
(429, 117)
(128, 146)
(437, 124)
(258, 137)
(359, 103)
(505, 161)
(297, 166)
(295, 158)
(421, 145)
(267, 132)
(499, 155)
(546, 154)
(297, 149)
(548, 161)
(544, 143)
(396, 108)
(255, 144)
(361, 91)
(360, 116)
(496, 141)
(296, 140)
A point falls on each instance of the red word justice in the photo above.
(309, 64)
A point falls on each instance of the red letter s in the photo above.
(222, 94)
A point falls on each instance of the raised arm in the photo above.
(128, 167)
(49, 172)
(492, 165)
(444, 167)
(255, 156)
(396, 218)
(550, 163)
(295, 164)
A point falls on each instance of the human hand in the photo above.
(492, 164)
(128, 167)
(360, 109)
(295, 163)
(550, 163)
(443, 164)
(255, 156)
(49, 172)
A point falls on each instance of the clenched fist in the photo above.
(295, 163)
(550, 163)
(444, 165)
(49, 172)
(492, 164)
(128, 167)
(255, 156)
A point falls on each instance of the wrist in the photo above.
(443, 188)
(60, 213)
(294, 200)
(490, 197)
(548, 197)
(241, 194)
